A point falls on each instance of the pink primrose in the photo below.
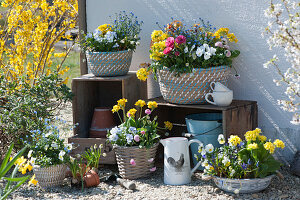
(167, 50)
(170, 42)
(219, 44)
(132, 162)
(177, 53)
(143, 132)
(153, 169)
(227, 53)
(180, 39)
(136, 138)
(148, 111)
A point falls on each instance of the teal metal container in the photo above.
(205, 127)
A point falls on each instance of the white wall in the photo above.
(244, 18)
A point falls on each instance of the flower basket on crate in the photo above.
(136, 139)
(190, 88)
(109, 63)
(109, 48)
(186, 60)
(50, 176)
(142, 157)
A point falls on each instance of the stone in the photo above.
(255, 196)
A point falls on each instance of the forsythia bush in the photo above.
(31, 87)
(31, 30)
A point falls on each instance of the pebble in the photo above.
(255, 196)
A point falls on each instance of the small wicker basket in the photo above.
(140, 155)
(109, 63)
(50, 176)
(190, 88)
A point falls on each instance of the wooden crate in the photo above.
(237, 118)
(91, 92)
(82, 144)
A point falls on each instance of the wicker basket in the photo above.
(140, 156)
(109, 63)
(50, 176)
(190, 88)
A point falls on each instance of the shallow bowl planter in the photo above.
(109, 63)
(190, 88)
(141, 157)
(243, 185)
(50, 176)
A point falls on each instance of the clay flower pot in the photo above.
(91, 179)
(102, 122)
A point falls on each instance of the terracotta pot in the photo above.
(102, 122)
(91, 179)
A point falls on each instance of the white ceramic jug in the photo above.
(177, 170)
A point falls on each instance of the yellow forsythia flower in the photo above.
(234, 140)
(116, 108)
(168, 125)
(279, 144)
(270, 147)
(65, 81)
(131, 112)
(140, 103)
(142, 74)
(60, 55)
(152, 105)
(32, 180)
(122, 102)
(252, 146)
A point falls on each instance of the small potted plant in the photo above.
(84, 168)
(109, 48)
(241, 166)
(186, 59)
(136, 139)
(49, 154)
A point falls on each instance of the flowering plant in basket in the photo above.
(181, 49)
(137, 129)
(121, 34)
(238, 159)
(46, 146)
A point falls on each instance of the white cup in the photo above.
(218, 87)
(220, 98)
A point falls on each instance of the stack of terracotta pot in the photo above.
(102, 122)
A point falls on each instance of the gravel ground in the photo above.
(154, 188)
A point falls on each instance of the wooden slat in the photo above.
(82, 28)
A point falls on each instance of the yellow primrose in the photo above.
(131, 112)
(262, 138)
(140, 103)
(234, 140)
(105, 28)
(251, 135)
(116, 108)
(270, 147)
(252, 146)
(142, 74)
(122, 102)
(152, 105)
(168, 125)
(279, 144)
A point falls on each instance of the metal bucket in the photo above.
(205, 127)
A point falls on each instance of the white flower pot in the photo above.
(243, 185)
